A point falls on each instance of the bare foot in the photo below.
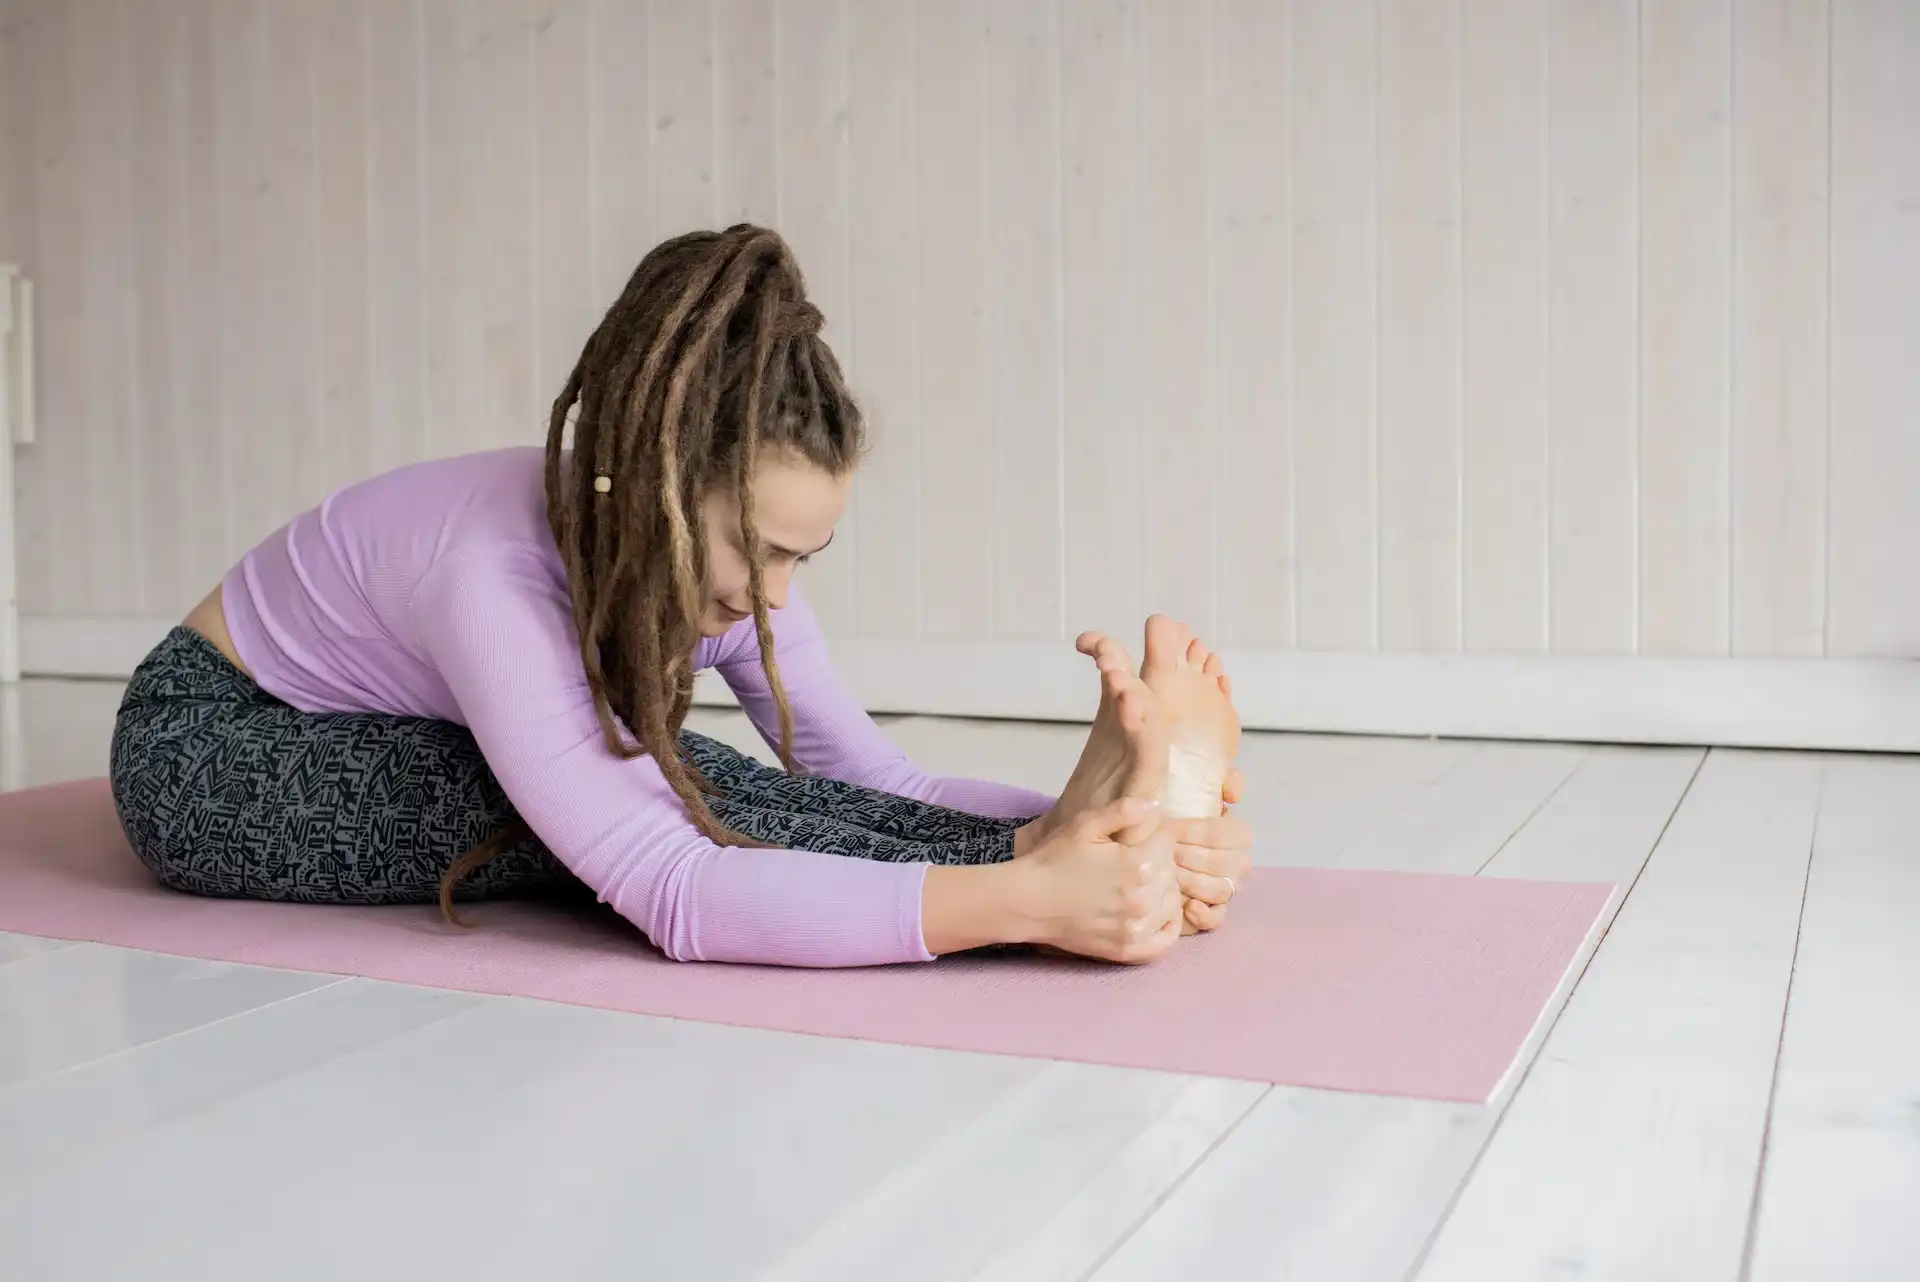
(1202, 729)
(1126, 752)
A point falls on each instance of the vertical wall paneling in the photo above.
(396, 231)
(884, 265)
(1503, 324)
(1335, 302)
(158, 585)
(53, 467)
(1566, 326)
(620, 133)
(954, 325)
(1024, 531)
(1592, 359)
(680, 43)
(1175, 377)
(341, 128)
(16, 248)
(811, 45)
(264, 257)
(109, 405)
(18, 47)
(746, 124)
(240, 108)
(1778, 433)
(1419, 324)
(283, 428)
(480, 293)
(205, 533)
(1251, 240)
(1686, 231)
(567, 305)
(1873, 586)
(1104, 483)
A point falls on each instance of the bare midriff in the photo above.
(209, 619)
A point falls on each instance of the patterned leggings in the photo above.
(226, 791)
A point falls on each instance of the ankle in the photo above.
(1030, 836)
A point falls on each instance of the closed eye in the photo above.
(776, 552)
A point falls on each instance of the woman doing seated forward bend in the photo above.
(467, 678)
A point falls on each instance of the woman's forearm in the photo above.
(974, 906)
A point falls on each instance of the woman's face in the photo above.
(795, 507)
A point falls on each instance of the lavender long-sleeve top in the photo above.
(436, 591)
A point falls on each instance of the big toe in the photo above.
(1167, 642)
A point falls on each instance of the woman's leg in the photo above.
(747, 781)
(226, 791)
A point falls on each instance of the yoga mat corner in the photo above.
(1423, 985)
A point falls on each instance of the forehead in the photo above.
(796, 503)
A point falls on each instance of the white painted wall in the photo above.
(1488, 327)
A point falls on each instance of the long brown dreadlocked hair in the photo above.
(710, 357)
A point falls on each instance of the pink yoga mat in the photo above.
(1390, 983)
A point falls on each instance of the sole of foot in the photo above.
(1195, 699)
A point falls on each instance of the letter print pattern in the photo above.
(226, 791)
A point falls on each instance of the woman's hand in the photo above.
(1211, 858)
(1084, 891)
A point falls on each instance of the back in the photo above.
(319, 610)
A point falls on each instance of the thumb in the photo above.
(1117, 816)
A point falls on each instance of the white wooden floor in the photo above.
(1733, 1090)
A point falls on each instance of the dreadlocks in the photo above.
(710, 357)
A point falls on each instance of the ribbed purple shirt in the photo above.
(436, 591)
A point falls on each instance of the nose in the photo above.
(777, 581)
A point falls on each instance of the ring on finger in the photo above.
(1232, 889)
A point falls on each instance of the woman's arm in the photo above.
(832, 734)
(496, 625)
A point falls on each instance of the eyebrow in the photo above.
(777, 550)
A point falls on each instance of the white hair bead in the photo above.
(603, 483)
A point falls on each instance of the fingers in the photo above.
(1222, 845)
(1152, 944)
(1198, 917)
(1205, 888)
(1234, 788)
(1212, 866)
(1104, 822)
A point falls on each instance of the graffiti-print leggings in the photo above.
(226, 791)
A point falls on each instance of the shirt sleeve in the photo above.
(497, 626)
(832, 734)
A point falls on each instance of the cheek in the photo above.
(727, 574)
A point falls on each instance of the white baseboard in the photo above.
(1856, 704)
(87, 645)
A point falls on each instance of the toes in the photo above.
(1167, 642)
(1185, 640)
(1107, 654)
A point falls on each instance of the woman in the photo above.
(445, 682)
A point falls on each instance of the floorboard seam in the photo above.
(1786, 1009)
(1114, 1248)
(1493, 1133)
